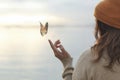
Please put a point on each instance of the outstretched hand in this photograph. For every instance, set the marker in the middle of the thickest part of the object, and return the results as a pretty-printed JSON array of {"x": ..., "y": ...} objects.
[{"x": 60, "y": 52}]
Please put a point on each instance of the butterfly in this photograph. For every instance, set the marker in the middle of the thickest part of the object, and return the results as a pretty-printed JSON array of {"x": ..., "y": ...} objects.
[{"x": 43, "y": 29}]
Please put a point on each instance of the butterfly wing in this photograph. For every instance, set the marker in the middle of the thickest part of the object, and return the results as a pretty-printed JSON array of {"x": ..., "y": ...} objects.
[
  {"x": 46, "y": 27},
  {"x": 41, "y": 29}
]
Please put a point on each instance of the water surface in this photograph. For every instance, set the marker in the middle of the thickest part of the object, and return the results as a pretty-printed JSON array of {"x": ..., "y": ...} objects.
[{"x": 26, "y": 55}]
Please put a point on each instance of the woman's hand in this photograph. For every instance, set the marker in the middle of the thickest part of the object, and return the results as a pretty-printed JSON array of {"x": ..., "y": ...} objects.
[{"x": 61, "y": 53}]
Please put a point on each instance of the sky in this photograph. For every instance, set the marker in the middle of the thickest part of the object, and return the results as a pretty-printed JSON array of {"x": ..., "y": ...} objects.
[{"x": 56, "y": 12}]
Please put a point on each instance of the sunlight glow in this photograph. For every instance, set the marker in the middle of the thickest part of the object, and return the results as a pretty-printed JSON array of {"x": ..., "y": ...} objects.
[
  {"x": 10, "y": 39},
  {"x": 26, "y": 13},
  {"x": 20, "y": 19},
  {"x": 15, "y": 19}
]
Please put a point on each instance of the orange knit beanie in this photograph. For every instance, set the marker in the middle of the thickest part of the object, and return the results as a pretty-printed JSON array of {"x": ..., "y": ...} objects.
[{"x": 108, "y": 11}]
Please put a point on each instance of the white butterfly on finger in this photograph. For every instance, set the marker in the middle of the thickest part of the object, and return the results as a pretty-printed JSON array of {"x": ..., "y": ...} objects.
[{"x": 43, "y": 29}]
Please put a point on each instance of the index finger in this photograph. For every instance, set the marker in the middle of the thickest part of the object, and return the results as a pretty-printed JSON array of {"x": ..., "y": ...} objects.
[{"x": 52, "y": 45}]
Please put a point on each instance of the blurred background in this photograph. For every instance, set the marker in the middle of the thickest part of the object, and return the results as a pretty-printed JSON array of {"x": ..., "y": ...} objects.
[{"x": 24, "y": 53}]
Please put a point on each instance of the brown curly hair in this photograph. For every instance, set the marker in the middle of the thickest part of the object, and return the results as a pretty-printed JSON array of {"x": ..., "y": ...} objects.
[{"x": 107, "y": 38}]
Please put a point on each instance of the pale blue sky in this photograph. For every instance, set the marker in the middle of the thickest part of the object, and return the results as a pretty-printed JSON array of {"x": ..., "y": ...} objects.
[{"x": 56, "y": 12}]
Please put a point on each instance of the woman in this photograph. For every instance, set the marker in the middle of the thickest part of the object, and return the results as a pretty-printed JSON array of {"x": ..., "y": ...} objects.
[{"x": 102, "y": 60}]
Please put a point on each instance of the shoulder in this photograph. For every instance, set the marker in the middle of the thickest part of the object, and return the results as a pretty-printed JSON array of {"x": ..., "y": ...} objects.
[
  {"x": 87, "y": 55},
  {"x": 83, "y": 64},
  {"x": 85, "y": 60}
]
